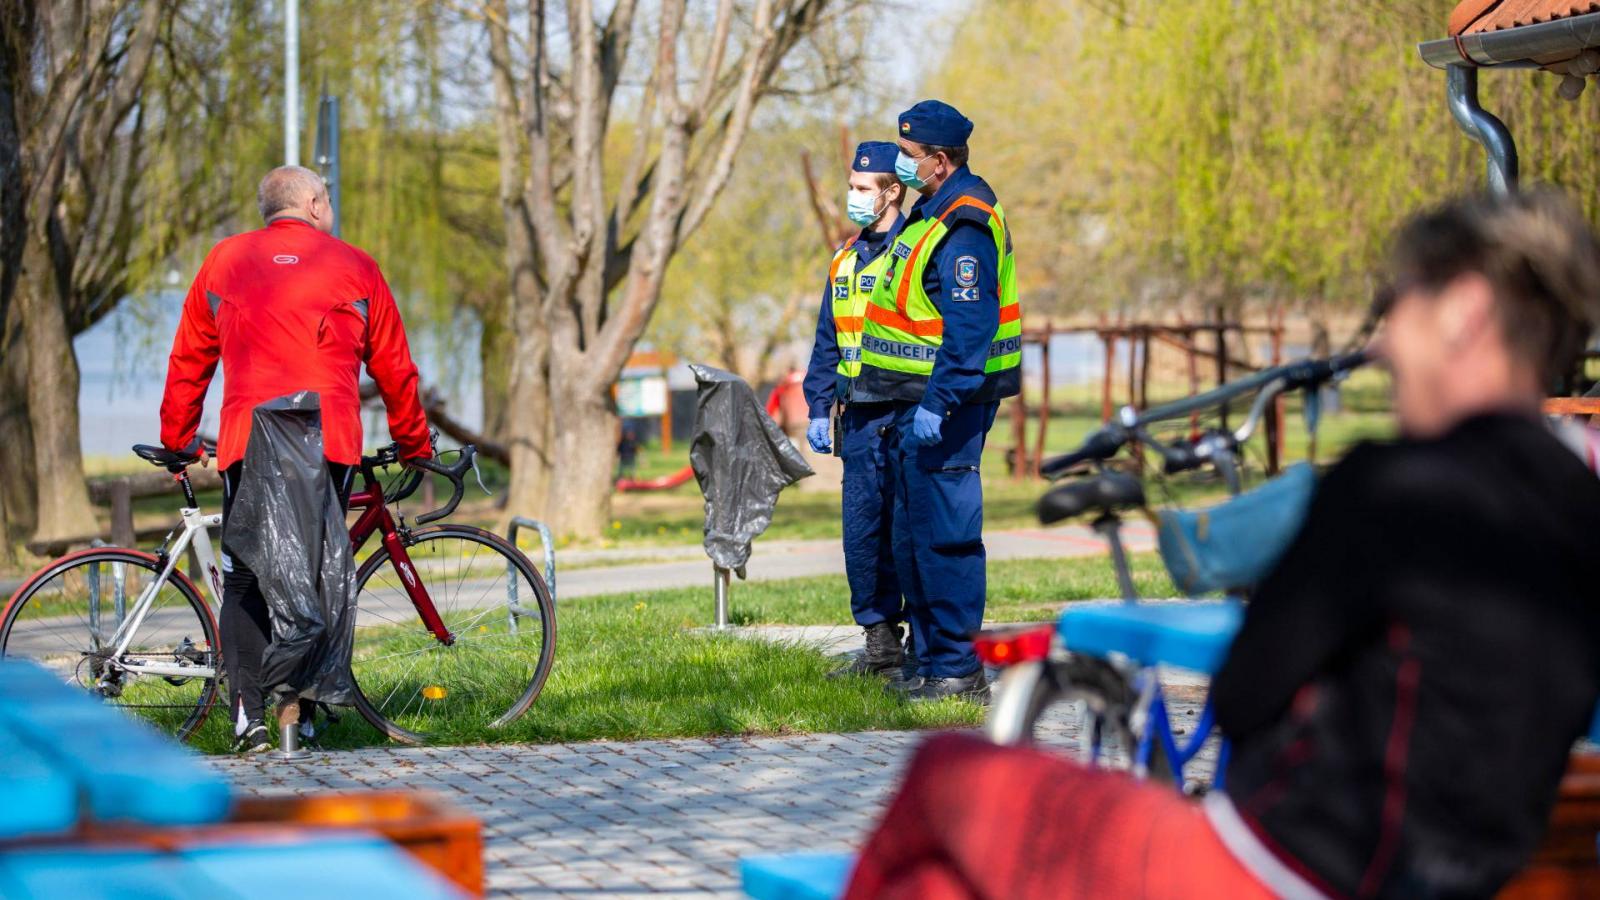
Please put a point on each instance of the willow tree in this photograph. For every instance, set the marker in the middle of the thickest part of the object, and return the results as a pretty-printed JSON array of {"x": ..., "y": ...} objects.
[
  {"x": 75, "y": 75},
  {"x": 600, "y": 185},
  {"x": 1228, "y": 151}
]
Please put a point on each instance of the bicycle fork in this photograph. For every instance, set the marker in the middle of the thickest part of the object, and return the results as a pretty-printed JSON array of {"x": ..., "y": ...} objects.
[{"x": 414, "y": 589}]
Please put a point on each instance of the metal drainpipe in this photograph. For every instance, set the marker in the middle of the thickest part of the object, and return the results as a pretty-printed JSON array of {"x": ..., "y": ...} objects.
[{"x": 1482, "y": 126}]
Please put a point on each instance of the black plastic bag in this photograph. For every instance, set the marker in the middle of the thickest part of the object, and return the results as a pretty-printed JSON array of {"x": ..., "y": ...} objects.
[
  {"x": 741, "y": 459},
  {"x": 287, "y": 525}
]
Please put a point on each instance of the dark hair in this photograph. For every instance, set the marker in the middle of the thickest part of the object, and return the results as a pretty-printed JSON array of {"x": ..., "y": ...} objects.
[
  {"x": 1539, "y": 255},
  {"x": 956, "y": 155}
]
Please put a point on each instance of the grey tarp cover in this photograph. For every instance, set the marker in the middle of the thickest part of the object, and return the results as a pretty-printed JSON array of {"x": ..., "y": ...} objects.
[
  {"x": 286, "y": 524},
  {"x": 742, "y": 459}
]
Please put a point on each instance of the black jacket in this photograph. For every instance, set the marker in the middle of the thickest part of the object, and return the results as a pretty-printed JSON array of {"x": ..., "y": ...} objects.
[{"x": 1408, "y": 683}]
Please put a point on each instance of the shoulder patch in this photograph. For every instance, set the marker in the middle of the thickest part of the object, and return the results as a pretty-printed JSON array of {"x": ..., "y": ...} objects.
[
  {"x": 967, "y": 271},
  {"x": 902, "y": 249}
]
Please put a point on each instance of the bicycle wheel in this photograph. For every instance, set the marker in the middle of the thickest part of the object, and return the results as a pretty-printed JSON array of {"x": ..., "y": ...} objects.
[
  {"x": 412, "y": 686},
  {"x": 66, "y": 618},
  {"x": 1027, "y": 691}
]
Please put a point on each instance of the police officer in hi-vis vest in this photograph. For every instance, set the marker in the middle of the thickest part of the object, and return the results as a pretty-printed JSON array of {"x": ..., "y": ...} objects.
[
  {"x": 864, "y": 419},
  {"x": 943, "y": 340}
]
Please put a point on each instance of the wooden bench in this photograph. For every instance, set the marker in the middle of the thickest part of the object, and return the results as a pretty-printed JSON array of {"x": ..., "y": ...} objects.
[{"x": 96, "y": 804}]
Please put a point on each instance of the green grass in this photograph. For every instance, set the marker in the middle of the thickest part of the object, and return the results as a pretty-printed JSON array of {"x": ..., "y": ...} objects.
[{"x": 634, "y": 666}]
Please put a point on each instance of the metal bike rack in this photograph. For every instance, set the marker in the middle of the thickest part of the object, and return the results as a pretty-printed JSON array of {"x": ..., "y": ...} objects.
[{"x": 517, "y": 524}]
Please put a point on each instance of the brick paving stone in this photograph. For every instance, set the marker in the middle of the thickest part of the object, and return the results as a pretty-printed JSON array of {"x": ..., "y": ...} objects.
[{"x": 637, "y": 819}]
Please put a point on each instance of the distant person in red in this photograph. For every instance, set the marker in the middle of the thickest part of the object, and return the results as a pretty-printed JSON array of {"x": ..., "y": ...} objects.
[
  {"x": 285, "y": 308},
  {"x": 1410, "y": 678}
]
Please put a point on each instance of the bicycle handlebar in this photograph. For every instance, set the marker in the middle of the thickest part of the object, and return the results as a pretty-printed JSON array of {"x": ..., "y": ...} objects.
[
  {"x": 418, "y": 469},
  {"x": 454, "y": 473},
  {"x": 1106, "y": 441}
]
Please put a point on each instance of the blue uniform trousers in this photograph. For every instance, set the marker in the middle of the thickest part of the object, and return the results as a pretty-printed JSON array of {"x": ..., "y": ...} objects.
[
  {"x": 868, "y": 510},
  {"x": 938, "y": 537}
]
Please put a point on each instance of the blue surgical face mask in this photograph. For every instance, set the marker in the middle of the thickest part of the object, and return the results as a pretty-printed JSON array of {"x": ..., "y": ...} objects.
[
  {"x": 905, "y": 169},
  {"x": 862, "y": 207}
]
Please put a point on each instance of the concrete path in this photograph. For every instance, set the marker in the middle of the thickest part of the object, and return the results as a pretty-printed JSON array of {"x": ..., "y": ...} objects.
[{"x": 774, "y": 560}]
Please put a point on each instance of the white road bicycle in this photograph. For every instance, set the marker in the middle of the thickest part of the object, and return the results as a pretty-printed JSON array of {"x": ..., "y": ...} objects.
[{"x": 455, "y": 627}]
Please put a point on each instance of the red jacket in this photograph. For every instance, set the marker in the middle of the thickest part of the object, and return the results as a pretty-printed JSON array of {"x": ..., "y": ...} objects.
[{"x": 289, "y": 308}]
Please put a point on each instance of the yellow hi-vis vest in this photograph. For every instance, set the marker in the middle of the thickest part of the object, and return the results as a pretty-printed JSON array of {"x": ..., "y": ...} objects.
[
  {"x": 904, "y": 328},
  {"x": 850, "y": 290}
]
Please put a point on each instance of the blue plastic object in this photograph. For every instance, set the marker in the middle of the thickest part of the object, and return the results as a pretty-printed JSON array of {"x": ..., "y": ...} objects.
[
  {"x": 1234, "y": 544},
  {"x": 327, "y": 867},
  {"x": 40, "y": 798},
  {"x": 1190, "y": 635},
  {"x": 120, "y": 767},
  {"x": 796, "y": 876},
  {"x": 42, "y": 874}
]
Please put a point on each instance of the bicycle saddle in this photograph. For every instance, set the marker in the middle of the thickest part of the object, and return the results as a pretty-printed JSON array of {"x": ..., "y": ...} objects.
[
  {"x": 161, "y": 456},
  {"x": 1105, "y": 492}
]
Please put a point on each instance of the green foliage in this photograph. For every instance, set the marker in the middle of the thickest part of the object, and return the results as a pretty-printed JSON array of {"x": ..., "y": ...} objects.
[{"x": 1227, "y": 150}]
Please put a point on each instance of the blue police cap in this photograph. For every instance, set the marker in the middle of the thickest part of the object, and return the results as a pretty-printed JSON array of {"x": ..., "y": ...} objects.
[
  {"x": 874, "y": 156},
  {"x": 937, "y": 123}
]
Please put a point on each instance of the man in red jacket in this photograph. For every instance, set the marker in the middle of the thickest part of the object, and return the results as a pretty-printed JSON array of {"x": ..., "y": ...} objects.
[{"x": 285, "y": 308}]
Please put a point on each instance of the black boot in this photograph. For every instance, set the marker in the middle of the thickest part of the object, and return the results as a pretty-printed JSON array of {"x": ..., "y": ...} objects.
[
  {"x": 974, "y": 687},
  {"x": 882, "y": 656}
]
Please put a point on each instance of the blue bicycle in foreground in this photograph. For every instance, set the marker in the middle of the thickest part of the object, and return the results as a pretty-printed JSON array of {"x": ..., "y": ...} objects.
[{"x": 1108, "y": 657}]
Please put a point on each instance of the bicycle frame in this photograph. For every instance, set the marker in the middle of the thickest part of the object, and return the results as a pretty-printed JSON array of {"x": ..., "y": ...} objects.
[
  {"x": 195, "y": 532},
  {"x": 375, "y": 518}
]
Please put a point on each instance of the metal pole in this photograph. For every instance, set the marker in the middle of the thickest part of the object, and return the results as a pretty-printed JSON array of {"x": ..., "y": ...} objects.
[
  {"x": 291, "y": 83},
  {"x": 289, "y": 732},
  {"x": 721, "y": 578},
  {"x": 327, "y": 151},
  {"x": 1461, "y": 86}
]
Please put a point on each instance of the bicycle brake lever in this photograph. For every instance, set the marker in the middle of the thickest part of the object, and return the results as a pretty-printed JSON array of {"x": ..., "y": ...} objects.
[{"x": 479, "y": 475}]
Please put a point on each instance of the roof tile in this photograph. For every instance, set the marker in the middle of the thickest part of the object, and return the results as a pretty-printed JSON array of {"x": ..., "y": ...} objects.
[{"x": 1476, "y": 16}]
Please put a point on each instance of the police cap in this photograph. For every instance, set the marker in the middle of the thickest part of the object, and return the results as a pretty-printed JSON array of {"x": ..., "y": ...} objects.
[
  {"x": 935, "y": 123},
  {"x": 874, "y": 156}
]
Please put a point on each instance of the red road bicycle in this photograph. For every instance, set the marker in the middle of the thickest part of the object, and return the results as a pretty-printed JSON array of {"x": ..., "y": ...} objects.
[{"x": 455, "y": 629}]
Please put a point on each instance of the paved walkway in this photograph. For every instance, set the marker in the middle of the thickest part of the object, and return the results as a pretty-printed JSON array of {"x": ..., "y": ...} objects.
[
  {"x": 632, "y": 819},
  {"x": 646, "y": 818}
]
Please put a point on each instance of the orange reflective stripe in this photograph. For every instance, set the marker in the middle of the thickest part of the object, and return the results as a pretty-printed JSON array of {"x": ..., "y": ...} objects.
[
  {"x": 901, "y": 295},
  {"x": 929, "y": 328},
  {"x": 833, "y": 267},
  {"x": 1010, "y": 313},
  {"x": 849, "y": 323}
]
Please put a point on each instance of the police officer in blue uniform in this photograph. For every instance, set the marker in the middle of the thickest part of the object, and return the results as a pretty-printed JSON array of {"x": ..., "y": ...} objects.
[
  {"x": 955, "y": 234},
  {"x": 863, "y": 420}
]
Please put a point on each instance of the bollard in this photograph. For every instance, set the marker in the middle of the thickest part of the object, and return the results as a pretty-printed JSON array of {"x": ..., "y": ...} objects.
[
  {"x": 721, "y": 578},
  {"x": 289, "y": 749}
]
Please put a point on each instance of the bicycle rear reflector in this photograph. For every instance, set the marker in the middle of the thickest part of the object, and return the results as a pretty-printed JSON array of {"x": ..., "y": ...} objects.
[{"x": 1007, "y": 648}]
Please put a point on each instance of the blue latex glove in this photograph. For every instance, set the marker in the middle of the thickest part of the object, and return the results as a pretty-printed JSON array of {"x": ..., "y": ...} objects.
[
  {"x": 817, "y": 436},
  {"x": 925, "y": 428}
]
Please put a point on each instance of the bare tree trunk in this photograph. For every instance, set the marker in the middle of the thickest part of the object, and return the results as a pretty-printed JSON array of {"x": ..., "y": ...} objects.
[
  {"x": 63, "y": 498},
  {"x": 527, "y": 402},
  {"x": 496, "y": 349},
  {"x": 17, "y": 492},
  {"x": 585, "y": 426}
]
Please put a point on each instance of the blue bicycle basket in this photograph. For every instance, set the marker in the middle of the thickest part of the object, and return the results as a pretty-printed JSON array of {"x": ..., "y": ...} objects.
[{"x": 1233, "y": 545}]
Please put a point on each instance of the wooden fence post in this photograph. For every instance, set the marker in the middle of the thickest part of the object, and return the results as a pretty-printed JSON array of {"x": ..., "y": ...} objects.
[{"x": 122, "y": 534}]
